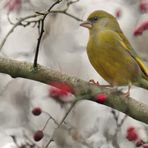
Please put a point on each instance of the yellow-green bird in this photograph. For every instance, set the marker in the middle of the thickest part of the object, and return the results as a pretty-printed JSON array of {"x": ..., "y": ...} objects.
[{"x": 111, "y": 54}]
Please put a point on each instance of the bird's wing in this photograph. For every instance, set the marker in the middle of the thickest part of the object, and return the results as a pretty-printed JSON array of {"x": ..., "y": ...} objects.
[{"x": 125, "y": 43}]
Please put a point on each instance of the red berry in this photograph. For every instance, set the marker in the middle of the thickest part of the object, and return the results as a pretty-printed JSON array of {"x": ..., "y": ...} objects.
[
  {"x": 54, "y": 92},
  {"x": 57, "y": 93},
  {"x": 140, "y": 28},
  {"x": 130, "y": 129},
  {"x": 139, "y": 143},
  {"x": 143, "y": 6},
  {"x": 36, "y": 111},
  {"x": 12, "y": 5},
  {"x": 145, "y": 146},
  {"x": 101, "y": 97},
  {"x": 62, "y": 86},
  {"x": 61, "y": 89},
  {"x": 38, "y": 135},
  {"x": 131, "y": 134},
  {"x": 118, "y": 13}
]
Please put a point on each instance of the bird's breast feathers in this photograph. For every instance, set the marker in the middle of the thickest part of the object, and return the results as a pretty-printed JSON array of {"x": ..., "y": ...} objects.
[{"x": 111, "y": 59}]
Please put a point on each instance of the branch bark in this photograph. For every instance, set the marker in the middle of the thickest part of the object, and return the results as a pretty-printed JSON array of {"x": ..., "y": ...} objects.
[{"x": 82, "y": 89}]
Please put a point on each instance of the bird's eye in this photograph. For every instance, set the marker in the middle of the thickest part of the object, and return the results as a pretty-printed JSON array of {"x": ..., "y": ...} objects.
[{"x": 95, "y": 18}]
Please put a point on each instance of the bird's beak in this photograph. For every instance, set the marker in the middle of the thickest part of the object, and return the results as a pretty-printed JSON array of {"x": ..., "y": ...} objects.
[{"x": 86, "y": 24}]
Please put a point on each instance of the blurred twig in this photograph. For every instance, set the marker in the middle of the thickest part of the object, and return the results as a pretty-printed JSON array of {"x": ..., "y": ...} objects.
[
  {"x": 29, "y": 143},
  {"x": 65, "y": 11},
  {"x": 50, "y": 117},
  {"x": 15, "y": 25},
  {"x": 68, "y": 14},
  {"x": 62, "y": 121},
  {"x": 115, "y": 115},
  {"x": 119, "y": 125}
]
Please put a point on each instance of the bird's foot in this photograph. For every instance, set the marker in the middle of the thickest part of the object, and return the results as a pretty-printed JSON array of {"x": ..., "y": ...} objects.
[
  {"x": 93, "y": 82},
  {"x": 127, "y": 94},
  {"x": 98, "y": 84}
]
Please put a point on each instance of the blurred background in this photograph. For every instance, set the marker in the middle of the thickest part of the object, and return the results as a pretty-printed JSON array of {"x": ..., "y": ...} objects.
[{"x": 88, "y": 125}]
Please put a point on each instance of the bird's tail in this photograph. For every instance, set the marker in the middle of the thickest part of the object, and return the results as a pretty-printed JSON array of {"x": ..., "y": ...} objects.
[{"x": 143, "y": 83}]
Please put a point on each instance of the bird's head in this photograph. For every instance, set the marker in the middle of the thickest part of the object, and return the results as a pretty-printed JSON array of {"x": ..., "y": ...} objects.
[{"x": 98, "y": 19}]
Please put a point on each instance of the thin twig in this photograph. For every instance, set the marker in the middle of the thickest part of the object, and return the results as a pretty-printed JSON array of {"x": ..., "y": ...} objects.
[
  {"x": 114, "y": 141},
  {"x": 115, "y": 116},
  {"x": 42, "y": 32},
  {"x": 69, "y": 3},
  {"x": 9, "y": 20},
  {"x": 46, "y": 123},
  {"x": 62, "y": 121},
  {"x": 52, "y": 118},
  {"x": 12, "y": 29},
  {"x": 119, "y": 124},
  {"x": 37, "y": 14},
  {"x": 68, "y": 14},
  {"x": 122, "y": 121},
  {"x": 38, "y": 42},
  {"x": 24, "y": 23}
]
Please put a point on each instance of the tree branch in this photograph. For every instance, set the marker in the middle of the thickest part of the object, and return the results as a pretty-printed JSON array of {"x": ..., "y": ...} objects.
[
  {"x": 82, "y": 89},
  {"x": 38, "y": 17}
]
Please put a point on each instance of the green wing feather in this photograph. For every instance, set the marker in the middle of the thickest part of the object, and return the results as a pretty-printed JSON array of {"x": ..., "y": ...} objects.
[{"x": 125, "y": 43}]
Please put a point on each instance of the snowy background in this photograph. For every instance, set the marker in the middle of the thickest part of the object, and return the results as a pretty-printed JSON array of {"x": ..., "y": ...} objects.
[{"x": 89, "y": 125}]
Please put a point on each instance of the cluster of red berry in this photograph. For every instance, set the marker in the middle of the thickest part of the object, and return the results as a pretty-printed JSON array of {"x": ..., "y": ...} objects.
[
  {"x": 38, "y": 135},
  {"x": 60, "y": 89},
  {"x": 13, "y": 5},
  {"x": 132, "y": 136}
]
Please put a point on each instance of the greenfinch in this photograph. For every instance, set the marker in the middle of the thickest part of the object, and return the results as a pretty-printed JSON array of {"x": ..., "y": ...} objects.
[{"x": 110, "y": 52}]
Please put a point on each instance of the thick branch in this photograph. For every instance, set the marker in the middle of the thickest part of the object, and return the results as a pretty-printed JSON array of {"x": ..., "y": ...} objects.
[{"x": 82, "y": 89}]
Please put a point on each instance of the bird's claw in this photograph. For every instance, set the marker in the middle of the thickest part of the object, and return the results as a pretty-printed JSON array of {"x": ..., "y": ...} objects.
[{"x": 93, "y": 82}]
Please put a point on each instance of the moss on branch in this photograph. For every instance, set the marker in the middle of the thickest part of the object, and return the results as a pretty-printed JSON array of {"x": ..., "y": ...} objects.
[{"x": 82, "y": 89}]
